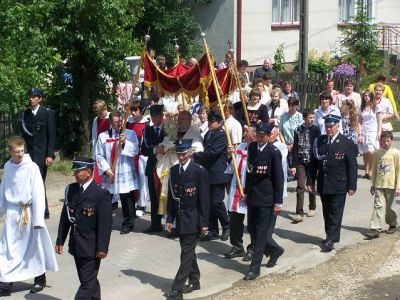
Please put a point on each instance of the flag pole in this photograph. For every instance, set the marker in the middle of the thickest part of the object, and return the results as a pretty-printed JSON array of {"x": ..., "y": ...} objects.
[
  {"x": 217, "y": 91},
  {"x": 236, "y": 75},
  {"x": 177, "y": 62},
  {"x": 126, "y": 116}
]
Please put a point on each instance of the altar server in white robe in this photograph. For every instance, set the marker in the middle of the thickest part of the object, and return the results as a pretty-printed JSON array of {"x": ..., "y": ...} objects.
[
  {"x": 123, "y": 180},
  {"x": 238, "y": 208},
  {"x": 26, "y": 250}
]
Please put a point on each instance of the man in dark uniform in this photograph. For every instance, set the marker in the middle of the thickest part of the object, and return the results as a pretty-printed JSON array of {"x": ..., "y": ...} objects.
[
  {"x": 39, "y": 132},
  {"x": 214, "y": 160},
  {"x": 87, "y": 214},
  {"x": 189, "y": 206},
  {"x": 152, "y": 137},
  {"x": 334, "y": 165},
  {"x": 264, "y": 192}
]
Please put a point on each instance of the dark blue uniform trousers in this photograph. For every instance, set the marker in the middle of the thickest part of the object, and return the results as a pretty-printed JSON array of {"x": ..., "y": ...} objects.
[
  {"x": 217, "y": 208},
  {"x": 88, "y": 268},
  {"x": 332, "y": 208},
  {"x": 188, "y": 268},
  {"x": 262, "y": 222}
]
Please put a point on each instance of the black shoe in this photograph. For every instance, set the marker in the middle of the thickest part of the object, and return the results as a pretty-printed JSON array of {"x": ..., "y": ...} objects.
[
  {"x": 209, "y": 237},
  {"x": 251, "y": 275},
  {"x": 37, "y": 287},
  {"x": 328, "y": 246},
  {"x": 234, "y": 253},
  {"x": 152, "y": 229},
  {"x": 126, "y": 229},
  {"x": 174, "y": 295},
  {"x": 274, "y": 258},
  {"x": 225, "y": 234},
  {"x": 192, "y": 286},
  {"x": 47, "y": 216},
  {"x": 248, "y": 256},
  {"x": 115, "y": 206},
  {"x": 4, "y": 293}
]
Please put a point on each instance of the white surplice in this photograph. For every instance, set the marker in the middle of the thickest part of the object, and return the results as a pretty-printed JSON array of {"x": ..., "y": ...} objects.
[
  {"x": 125, "y": 179},
  {"x": 25, "y": 252},
  {"x": 234, "y": 203}
]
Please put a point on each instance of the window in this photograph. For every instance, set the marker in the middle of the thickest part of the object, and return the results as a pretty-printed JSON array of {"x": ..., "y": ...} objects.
[
  {"x": 348, "y": 9},
  {"x": 285, "y": 12}
]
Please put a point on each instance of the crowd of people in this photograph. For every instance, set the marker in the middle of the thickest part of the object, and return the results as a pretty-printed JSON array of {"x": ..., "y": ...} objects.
[{"x": 177, "y": 164}]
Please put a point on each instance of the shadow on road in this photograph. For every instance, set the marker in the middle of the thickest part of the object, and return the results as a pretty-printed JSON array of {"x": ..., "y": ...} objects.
[
  {"x": 222, "y": 262},
  {"x": 161, "y": 283},
  {"x": 297, "y": 237},
  {"x": 140, "y": 223}
]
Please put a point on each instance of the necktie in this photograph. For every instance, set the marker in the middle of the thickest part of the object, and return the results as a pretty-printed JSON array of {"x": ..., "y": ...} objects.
[
  {"x": 158, "y": 132},
  {"x": 81, "y": 189},
  {"x": 181, "y": 170},
  {"x": 329, "y": 143}
]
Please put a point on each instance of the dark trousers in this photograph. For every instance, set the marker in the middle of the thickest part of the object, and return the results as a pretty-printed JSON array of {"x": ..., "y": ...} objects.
[
  {"x": 43, "y": 172},
  {"x": 236, "y": 225},
  {"x": 7, "y": 286},
  {"x": 217, "y": 208},
  {"x": 128, "y": 208},
  {"x": 332, "y": 208},
  {"x": 188, "y": 268},
  {"x": 155, "y": 217},
  {"x": 88, "y": 268},
  {"x": 302, "y": 173},
  {"x": 262, "y": 221},
  {"x": 228, "y": 182}
]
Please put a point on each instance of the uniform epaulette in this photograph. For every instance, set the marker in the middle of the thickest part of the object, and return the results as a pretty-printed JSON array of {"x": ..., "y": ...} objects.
[{"x": 200, "y": 166}]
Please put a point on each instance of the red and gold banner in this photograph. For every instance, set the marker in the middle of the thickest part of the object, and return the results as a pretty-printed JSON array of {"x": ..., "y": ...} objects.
[{"x": 191, "y": 80}]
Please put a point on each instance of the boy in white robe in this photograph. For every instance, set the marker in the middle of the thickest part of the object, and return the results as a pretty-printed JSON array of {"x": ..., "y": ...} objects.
[
  {"x": 238, "y": 208},
  {"x": 26, "y": 250}
]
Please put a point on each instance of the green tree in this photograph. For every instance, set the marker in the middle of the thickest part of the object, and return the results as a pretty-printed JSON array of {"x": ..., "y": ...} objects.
[
  {"x": 279, "y": 59},
  {"x": 360, "y": 40},
  {"x": 168, "y": 19}
]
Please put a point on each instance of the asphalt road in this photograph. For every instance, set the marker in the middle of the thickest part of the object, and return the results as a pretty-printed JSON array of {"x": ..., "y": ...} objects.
[{"x": 141, "y": 266}]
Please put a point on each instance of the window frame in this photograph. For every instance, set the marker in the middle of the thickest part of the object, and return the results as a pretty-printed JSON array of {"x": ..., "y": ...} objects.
[
  {"x": 290, "y": 24},
  {"x": 343, "y": 21}
]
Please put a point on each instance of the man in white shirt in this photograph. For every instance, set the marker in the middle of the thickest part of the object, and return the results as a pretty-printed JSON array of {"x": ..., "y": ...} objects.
[{"x": 122, "y": 181}]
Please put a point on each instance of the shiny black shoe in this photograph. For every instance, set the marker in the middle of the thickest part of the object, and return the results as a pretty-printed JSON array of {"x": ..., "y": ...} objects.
[
  {"x": 274, "y": 258},
  {"x": 192, "y": 286},
  {"x": 5, "y": 293},
  {"x": 249, "y": 256},
  {"x": 328, "y": 246},
  {"x": 225, "y": 234},
  {"x": 251, "y": 275},
  {"x": 126, "y": 230},
  {"x": 174, "y": 295},
  {"x": 209, "y": 237},
  {"x": 37, "y": 287},
  {"x": 234, "y": 253}
]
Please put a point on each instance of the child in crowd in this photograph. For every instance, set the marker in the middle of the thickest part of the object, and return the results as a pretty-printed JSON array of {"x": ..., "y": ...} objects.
[
  {"x": 304, "y": 137},
  {"x": 385, "y": 186}
]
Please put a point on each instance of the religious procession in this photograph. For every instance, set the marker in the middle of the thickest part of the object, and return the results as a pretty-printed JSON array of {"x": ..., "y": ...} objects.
[{"x": 205, "y": 154}]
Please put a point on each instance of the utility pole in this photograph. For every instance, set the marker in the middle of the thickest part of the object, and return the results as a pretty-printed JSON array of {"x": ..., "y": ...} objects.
[{"x": 303, "y": 50}]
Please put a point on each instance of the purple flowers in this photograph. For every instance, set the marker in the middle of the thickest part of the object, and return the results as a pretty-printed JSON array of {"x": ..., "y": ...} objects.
[{"x": 344, "y": 69}]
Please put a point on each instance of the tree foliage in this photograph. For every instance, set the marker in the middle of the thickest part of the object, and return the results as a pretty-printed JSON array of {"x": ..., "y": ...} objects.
[
  {"x": 68, "y": 48},
  {"x": 168, "y": 19},
  {"x": 360, "y": 40}
]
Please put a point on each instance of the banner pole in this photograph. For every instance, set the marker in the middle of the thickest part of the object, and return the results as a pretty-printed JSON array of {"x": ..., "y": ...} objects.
[
  {"x": 126, "y": 116},
  {"x": 217, "y": 91}
]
